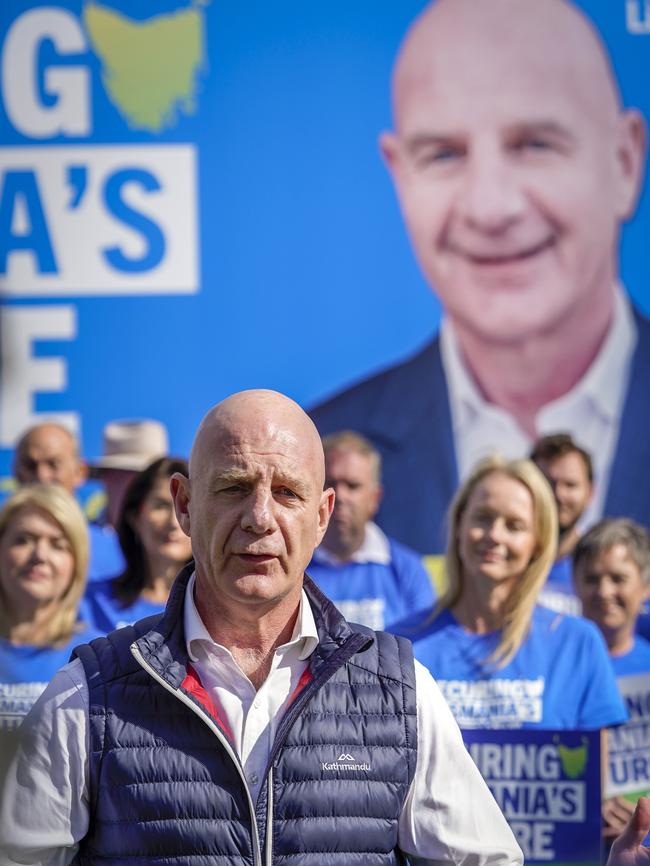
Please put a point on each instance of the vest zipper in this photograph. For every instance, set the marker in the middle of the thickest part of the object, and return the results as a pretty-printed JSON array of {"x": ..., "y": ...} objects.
[
  {"x": 269, "y": 818},
  {"x": 137, "y": 655},
  {"x": 352, "y": 645}
]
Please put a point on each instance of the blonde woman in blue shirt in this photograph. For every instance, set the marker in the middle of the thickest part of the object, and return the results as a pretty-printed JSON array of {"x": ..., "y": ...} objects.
[{"x": 500, "y": 659}]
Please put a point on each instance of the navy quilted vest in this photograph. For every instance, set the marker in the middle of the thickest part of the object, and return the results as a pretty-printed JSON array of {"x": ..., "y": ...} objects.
[{"x": 167, "y": 787}]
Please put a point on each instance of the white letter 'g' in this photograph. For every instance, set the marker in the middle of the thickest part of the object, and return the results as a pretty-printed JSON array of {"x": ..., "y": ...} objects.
[{"x": 70, "y": 113}]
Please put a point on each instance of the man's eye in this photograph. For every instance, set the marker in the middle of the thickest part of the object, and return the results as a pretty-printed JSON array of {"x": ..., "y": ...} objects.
[
  {"x": 286, "y": 491},
  {"x": 533, "y": 144},
  {"x": 439, "y": 155}
]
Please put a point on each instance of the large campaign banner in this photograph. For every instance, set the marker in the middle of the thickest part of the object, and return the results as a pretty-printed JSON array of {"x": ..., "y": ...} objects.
[
  {"x": 193, "y": 200},
  {"x": 547, "y": 784},
  {"x": 628, "y": 747}
]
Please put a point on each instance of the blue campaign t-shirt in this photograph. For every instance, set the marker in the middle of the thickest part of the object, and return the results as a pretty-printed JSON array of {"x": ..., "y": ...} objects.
[
  {"x": 105, "y": 555},
  {"x": 558, "y": 593},
  {"x": 561, "y": 677},
  {"x": 374, "y": 594},
  {"x": 25, "y": 671},
  {"x": 643, "y": 623},
  {"x": 106, "y": 612},
  {"x": 636, "y": 661}
]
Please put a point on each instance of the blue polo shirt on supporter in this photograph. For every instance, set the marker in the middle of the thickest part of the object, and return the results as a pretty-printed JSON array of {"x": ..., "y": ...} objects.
[
  {"x": 561, "y": 677},
  {"x": 384, "y": 581}
]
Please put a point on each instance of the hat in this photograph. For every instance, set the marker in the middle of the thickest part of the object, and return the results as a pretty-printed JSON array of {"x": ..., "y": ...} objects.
[{"x": 132, "y": 444}]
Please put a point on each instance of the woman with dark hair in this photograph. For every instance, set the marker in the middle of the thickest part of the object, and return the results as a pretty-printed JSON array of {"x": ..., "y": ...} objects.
[{"x": 155, "y": 548}]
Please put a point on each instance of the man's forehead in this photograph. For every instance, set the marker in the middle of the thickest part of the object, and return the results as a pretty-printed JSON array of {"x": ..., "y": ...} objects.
[
  {"x": 458, "y": 53},
  {"x": 246, "y": 450},
  {"x": 258, "y": 424},
  {"x": 52, "y": 441},
  {"x": 349, "y": 456},
  {"x": 256, "y": 465},
  {"x": 569, "y": 461}
]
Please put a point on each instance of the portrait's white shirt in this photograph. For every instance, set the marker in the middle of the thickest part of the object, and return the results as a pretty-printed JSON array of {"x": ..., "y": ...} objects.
[
  {"x": 375, "y": 548},
  {"x": 449, "y": 815},
  {"x": 591, "y": 411}
]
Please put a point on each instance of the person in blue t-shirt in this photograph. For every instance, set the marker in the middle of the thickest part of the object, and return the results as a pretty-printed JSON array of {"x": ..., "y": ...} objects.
[
  {"x": 612, "y": 579},
  {"x": 43, "y": 561},
  {"x": 569, "y": 470},
  {"x": 372, "y": 579},
  {"x": 155, "y": 548},
  {"x": 500, "y": 660}
]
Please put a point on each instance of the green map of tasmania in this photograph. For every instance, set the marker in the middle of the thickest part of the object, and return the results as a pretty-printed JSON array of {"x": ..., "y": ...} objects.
[{"x": 150, "y": 69}]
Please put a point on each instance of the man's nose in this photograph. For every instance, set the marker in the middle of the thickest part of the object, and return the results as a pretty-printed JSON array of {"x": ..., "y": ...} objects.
[
  {"x": 491, "y": 197},
  {"x": 341, "y": 491},
  {"x": 43, "y": 474},
  {"x": 257, "y": 516}
]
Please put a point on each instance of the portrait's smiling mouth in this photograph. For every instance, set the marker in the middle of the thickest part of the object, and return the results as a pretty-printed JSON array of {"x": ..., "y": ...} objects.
[{"x": 502, "y": 257}]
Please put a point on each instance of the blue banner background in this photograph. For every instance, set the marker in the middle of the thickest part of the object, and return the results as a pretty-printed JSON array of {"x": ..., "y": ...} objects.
[{"x": 306, "y": 276}]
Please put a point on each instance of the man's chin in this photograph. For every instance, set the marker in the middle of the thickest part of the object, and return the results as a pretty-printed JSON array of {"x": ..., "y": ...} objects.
[{"x": 256, "y": 588}]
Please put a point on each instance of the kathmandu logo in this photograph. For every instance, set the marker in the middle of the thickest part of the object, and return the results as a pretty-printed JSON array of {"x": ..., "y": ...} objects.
[{"x": 346, "y": 762}]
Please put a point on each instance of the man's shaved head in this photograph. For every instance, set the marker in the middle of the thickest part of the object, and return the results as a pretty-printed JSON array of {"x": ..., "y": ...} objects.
[
  {"x": 49, "y": 453},
  {"x": 551, "y": 34},
  {"x": 242, "y": 414},
  {"x": 254, "y": 504}
]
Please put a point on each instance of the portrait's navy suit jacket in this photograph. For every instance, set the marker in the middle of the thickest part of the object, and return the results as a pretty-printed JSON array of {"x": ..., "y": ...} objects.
[{"x": 405, "y": 412}]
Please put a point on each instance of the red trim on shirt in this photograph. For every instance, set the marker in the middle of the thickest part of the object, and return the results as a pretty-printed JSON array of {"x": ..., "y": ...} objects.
[
  {"x": 193, "y": 685},
  {"x": 305, "y": 678}
]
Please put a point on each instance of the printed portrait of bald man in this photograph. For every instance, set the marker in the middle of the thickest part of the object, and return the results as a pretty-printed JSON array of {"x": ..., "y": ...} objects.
[{"x": 515, "y": 164}]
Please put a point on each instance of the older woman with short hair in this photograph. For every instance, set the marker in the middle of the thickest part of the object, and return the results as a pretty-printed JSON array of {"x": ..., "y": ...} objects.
[{"x": 500, "y": 659}]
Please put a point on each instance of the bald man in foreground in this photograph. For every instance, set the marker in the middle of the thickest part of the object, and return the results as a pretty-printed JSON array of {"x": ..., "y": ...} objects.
[
  {"x": 251, "y": 723},
  {"x": 515, "y": 164}
]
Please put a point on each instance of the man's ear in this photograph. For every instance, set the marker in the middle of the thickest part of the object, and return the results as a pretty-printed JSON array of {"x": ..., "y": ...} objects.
[
  {"x": 81, "y": 473},
  {"x": 179, "y": 486},
  {"x": 631, "y": 158},
  {"x": 389, "y": 146},
  {"x": 378, "y": 496},
  {"x": 325, "y": 509}
]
